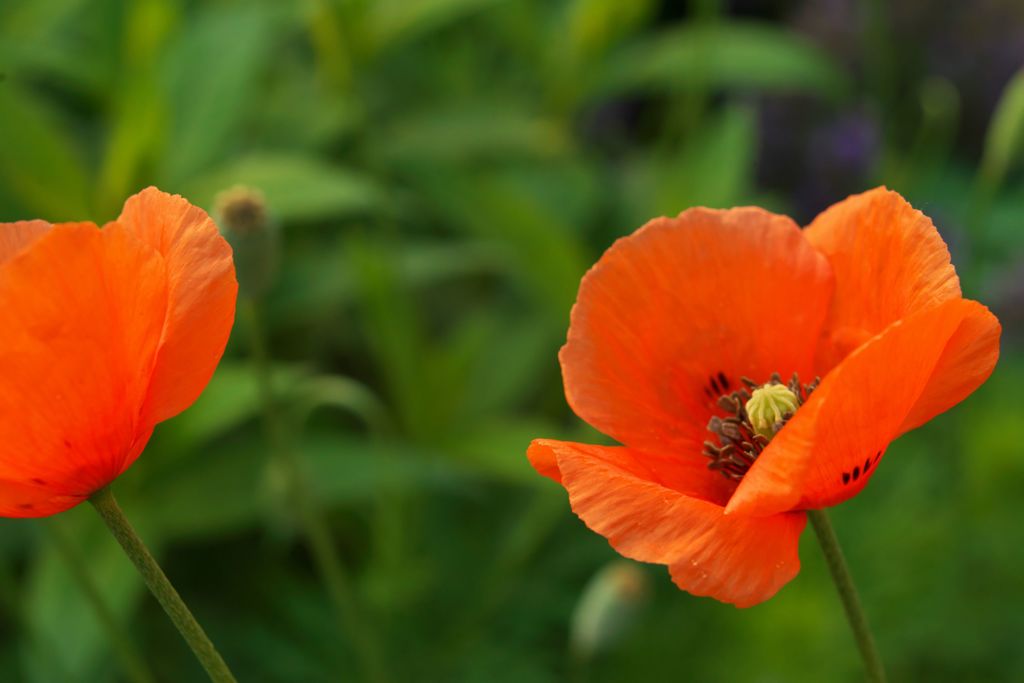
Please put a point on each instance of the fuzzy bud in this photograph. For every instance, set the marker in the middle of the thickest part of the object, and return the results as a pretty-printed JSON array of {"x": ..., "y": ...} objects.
[
  {"x": 607, "y": 608},
  {"x": 242, "y": 214}
]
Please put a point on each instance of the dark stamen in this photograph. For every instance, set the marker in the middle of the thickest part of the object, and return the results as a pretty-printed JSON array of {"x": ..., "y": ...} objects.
[{"x": 738, "y": 444}]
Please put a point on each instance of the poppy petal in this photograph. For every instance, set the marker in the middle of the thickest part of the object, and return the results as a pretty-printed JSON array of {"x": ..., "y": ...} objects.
[
  {"x": 82, "y": 311},
  {"x": 738, "y": 560},
  {"x": 832, "y": 446},
  {"x": 877, "y": 242},
  {"x": 16, "y": 236},
  {"x": 688, "y": 476},
  {"x": 672, "y": 316},
  {"x": 202, "y": 292},
  {"x": 969, "y": 358},
  {"x": 26, "y": 500}
]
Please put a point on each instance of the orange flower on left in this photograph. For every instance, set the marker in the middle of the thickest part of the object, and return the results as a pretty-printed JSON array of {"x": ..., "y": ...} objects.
[{"x": 105, "y": 333}]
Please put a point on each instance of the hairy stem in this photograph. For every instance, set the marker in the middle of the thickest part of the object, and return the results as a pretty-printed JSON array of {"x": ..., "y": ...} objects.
[
  {"x": 873, "y": 668},
  {"x": 159, "y": 585}
]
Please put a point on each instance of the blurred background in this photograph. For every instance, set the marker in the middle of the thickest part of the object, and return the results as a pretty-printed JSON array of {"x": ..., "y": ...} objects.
[{"x": 441, "y": 173}]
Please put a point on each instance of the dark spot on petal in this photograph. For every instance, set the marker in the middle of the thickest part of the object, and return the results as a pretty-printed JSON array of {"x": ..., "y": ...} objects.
[
  {"x": 878, "y": 455},
  {"x": 723, "y": 380},
  {"x": 25, "y": 506},
  {"x": 39, "y": 482},
  {"x": 846, "y": 477},
  {"x": 856, "y": 473},
  {"x": 709, "y": 393},
  {"x": 714, "y": 385},
  {"x": 867, "y": 464}
]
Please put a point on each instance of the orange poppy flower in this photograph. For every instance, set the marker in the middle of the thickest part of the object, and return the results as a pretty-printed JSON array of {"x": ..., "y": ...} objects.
[
  {"x": 681, "y": 325},
  {"x": 105, "y": 334}
]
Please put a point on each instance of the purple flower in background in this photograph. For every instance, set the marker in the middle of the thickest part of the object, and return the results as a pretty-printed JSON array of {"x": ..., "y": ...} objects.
[
  {"x": 839, "y": 159},
  {"x": 812, "y": 155}
]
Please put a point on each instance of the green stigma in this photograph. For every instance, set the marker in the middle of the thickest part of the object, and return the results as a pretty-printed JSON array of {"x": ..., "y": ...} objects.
[{"x": 768, "y": 406}]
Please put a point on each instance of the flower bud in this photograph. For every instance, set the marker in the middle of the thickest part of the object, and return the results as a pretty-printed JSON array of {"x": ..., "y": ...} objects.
[
  {"x": 607, "y": 608},
  {"x": 242, "y": 214}
]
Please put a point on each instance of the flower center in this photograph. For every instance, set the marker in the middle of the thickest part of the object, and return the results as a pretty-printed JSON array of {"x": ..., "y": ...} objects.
[
  {"x": 768, "y": 408},
  {"x": 756, "y": 413}
]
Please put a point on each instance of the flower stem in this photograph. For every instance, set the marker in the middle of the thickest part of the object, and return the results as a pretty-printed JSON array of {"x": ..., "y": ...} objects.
[
  {"x": 307, "y": 509},
  {"x": 873, "y": 668},
  {"x": 161, "y": 588},
  {"x": 132, "y": 663}
]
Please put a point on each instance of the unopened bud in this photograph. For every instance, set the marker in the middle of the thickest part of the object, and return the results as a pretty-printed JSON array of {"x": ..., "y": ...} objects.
[
  {"x": 607, "y": 608},
  {"x": 242, "y": 214}
]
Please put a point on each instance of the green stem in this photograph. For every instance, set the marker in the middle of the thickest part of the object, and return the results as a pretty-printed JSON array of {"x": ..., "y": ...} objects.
[
  {"x": 873, "y": 668},
  {"x": 131, "y": 661},
  {"x": 308, "y": 512},
  {"x": 161, "y": 588}
]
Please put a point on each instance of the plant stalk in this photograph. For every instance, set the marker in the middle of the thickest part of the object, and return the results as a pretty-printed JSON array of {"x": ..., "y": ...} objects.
[
  {"x": 159, "y": 585},
  {"x": 873, "y": 668}
]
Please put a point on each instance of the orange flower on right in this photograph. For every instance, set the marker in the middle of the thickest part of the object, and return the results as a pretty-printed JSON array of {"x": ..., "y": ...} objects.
[{"x": 751, "y": 371}]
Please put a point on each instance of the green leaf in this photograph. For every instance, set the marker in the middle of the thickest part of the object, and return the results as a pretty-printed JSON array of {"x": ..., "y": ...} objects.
[
  {"x": 39, "y": 19},
  {"x": 65, "y": 62},
  {"x": 514, "y": 358},
  {"x": 389, "y": 23},
  {"x": 715, "y": 169},
  {"x": 732, "y": 55},
  {"x": 221, "y": 492},
  {"x": 545, "y": 251},
  {"x": 40, "y": 163},
  {"x": 66, "y": 640},
  {"x": 213, "y": 84},
  {"x": 289, "y": 635},
  {"x": 342, "y": 393},
  {"x": 349, "y": 470},
  {"x": 592, "y": 26},
  {"x": 232, "y": 488},
  {"x": 313, "y": 288},
  {"x": 394, "y": 335},
  {"x": 325, "y": 119},
  {"x": 230, "y": 400},
  {"x": 462, "y": 133},
  {"x": 497, "y": 448},
  {"x": 297, "y": 188},
  {"x": 1004, "y": 141},
  {"x": 137, "y": 103}
]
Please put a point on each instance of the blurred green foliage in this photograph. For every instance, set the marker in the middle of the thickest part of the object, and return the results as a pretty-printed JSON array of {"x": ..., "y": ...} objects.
[{"x": 444, "y": 171}]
